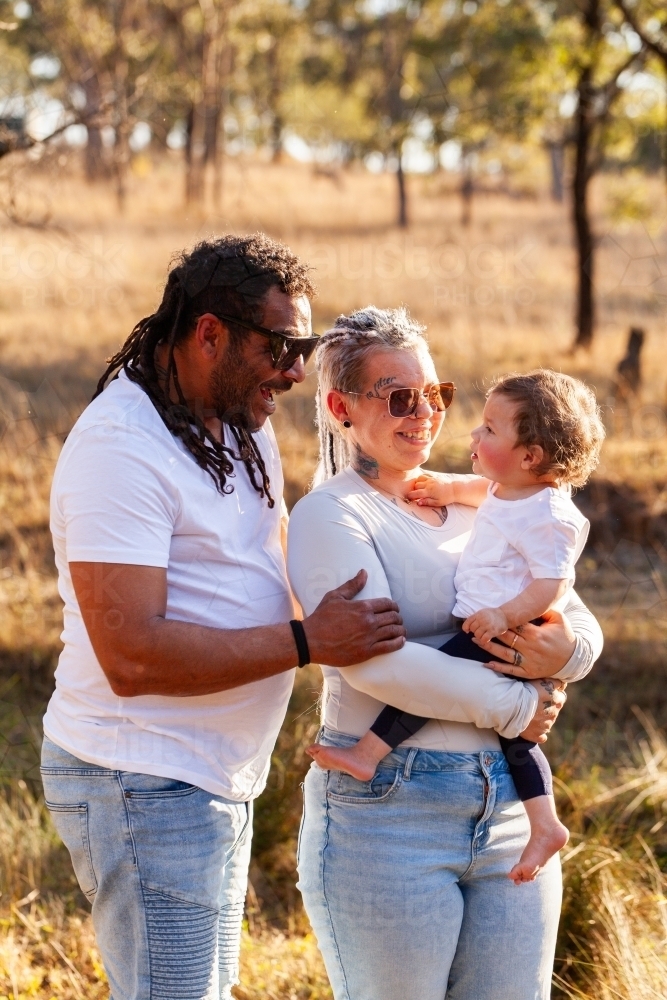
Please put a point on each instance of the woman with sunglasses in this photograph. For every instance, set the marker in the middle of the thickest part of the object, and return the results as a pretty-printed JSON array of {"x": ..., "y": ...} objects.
[{"x": 404, "y": 878}]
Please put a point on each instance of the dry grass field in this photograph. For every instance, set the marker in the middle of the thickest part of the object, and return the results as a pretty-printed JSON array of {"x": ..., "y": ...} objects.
[{"x": 496, "y": 296}]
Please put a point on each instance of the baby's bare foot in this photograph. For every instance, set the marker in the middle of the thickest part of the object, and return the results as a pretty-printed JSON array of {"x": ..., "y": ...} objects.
[
  {"x": 342, "y": 759},
  {"x": 545, "y": 841}
]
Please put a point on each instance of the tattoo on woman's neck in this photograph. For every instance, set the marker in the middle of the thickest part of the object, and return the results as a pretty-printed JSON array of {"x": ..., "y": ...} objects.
[{"x": 365, "y": 465}]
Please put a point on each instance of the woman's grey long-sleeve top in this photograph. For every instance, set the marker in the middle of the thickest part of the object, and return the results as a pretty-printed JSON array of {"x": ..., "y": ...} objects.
[{"x": 345, "y": 525}]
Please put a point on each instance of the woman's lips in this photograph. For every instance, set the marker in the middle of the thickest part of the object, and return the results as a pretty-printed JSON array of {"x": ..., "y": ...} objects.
[{"x": 420, "y": 437}]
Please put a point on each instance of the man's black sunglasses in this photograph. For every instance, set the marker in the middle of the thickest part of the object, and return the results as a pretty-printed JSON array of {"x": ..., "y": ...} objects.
[{"x": 285, "y": 350}]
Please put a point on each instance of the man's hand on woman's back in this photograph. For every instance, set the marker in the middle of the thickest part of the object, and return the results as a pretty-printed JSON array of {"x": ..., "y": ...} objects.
[
  {"x": 142, "y": 651},
  {"x": 342, "y": 631}
]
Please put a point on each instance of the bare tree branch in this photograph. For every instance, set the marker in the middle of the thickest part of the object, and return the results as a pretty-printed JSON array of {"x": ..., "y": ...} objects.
[{"x": 656, "y": 46}]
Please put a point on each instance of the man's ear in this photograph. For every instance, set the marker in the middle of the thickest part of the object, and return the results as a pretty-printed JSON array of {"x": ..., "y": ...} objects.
[
  {"x": 338, "y": 406},
  {"x": 211, "y": 336},
  {"x": 533, "y": 456}
]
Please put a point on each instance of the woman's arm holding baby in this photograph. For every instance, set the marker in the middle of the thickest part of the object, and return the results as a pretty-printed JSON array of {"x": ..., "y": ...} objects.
[
  {"x": 564, "y": 647},
  {"x": 326, "y": 540}
]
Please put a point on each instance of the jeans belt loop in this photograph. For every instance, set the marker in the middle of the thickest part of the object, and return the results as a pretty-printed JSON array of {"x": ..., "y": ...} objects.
[{"x": 407, "y": 770}]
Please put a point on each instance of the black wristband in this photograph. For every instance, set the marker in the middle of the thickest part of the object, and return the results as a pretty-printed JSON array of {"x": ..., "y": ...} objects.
[{"x": 301, "y": 642}]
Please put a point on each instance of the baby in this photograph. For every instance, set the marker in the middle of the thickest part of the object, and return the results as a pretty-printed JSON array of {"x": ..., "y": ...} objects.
[{"x": 540, "y": 435}]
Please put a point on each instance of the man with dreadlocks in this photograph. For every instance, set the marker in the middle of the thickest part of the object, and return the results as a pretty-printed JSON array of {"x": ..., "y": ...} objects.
[{"x": 178, "y": 645}]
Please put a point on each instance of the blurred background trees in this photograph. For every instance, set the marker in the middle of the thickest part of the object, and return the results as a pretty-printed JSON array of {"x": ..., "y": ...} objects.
[
  {"x": 471, "y": 87},
  {"x": 500, "y": 166}
]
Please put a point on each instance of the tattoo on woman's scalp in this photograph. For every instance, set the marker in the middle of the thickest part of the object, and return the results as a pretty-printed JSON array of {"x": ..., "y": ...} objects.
[{"x": 365, "y": 465}]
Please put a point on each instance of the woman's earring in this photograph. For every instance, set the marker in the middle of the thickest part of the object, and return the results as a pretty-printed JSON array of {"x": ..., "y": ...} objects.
[{"x": 346, "y": 423}]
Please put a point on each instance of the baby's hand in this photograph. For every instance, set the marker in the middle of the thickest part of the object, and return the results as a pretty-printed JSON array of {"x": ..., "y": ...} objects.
[
  {"x": 427, "y": 491},
  {"x": 486, "y": 624}
]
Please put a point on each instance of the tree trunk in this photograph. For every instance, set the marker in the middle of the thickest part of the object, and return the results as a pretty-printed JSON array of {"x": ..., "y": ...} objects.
[
  {"x": 467, "y": 189},
  {"x": 194, "y": 184},
  {"x": 94, "y": 155},
  {"x": 94, "y": 158},
  {"x": 402, "y": 192},
  {"x": 275, "y": 93},
  {"x": 121, "y": 160},
  {"x": 121, "y": 149},
  {"x": 556, "y": 160},
  {"x": 585, "y": 316},
  {"x": 217, "y": 153},
  {"x": 207, "y": 110},
  {"x": 225, "y": 70},
  {"x": 276, "y": 138}
]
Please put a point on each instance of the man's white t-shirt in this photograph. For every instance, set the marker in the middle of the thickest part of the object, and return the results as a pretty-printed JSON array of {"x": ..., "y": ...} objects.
[
  {"x": 127, "y": 491},
  {"x": 514, "y": 542}
]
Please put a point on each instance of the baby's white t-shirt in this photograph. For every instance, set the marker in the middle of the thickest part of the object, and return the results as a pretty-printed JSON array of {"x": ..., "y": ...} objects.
[
  {"x": 126, "y": 490},
  {"x": 514, "y": 542}
]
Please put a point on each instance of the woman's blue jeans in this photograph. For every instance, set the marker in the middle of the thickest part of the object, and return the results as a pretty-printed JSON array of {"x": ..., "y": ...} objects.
[
  {"x": 404, "y": 880},
  {"x": 165, "y": 866}
]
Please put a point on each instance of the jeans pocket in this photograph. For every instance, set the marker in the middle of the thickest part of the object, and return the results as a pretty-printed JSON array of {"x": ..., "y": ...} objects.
[
  {"x": 150, "y": 786},
  {"x": 71, "y": 822},
  {"x": 343, "y": 787}
]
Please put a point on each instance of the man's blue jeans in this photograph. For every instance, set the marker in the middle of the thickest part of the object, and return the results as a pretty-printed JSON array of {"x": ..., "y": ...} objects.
[{"x": 165, "y": 866}]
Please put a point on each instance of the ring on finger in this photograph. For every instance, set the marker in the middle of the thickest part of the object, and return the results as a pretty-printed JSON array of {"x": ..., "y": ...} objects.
[
  {"x": 513, "y": 641},
  {"x": 517, "y": 658}
]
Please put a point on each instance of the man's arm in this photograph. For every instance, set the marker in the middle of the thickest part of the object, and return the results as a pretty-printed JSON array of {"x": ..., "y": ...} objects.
[{"x": 143, "y": 652}]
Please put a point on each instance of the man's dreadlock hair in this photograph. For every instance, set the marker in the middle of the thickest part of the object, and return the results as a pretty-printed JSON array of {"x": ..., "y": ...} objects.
[{"x": 232, "y": 275}]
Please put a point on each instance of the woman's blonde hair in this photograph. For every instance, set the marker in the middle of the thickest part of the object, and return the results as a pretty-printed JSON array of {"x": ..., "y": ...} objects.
[
  {"x": 341, "y": 364},
  {"x": 561, "y": 415}
]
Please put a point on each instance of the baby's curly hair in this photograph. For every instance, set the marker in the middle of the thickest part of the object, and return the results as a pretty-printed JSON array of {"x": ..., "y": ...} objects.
[{"x": 560, "y": 414}]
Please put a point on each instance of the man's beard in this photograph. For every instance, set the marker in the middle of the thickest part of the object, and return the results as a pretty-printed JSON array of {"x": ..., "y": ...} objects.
[{"x": 233, "y": 386}]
